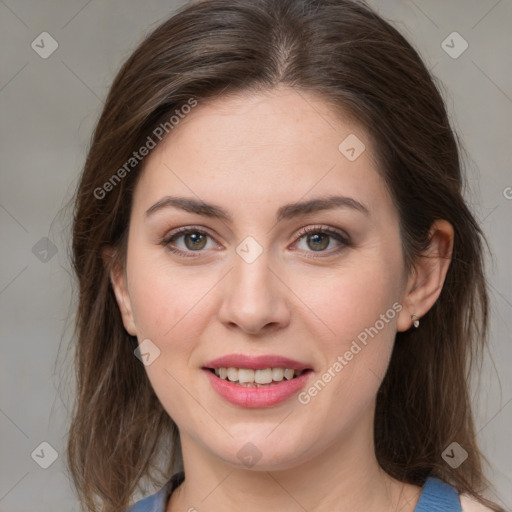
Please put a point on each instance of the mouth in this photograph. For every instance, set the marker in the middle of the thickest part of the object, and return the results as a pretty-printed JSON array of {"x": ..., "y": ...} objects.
[
  {"x": 256, "y": 381},
  {"x": 263, "y": 377}
]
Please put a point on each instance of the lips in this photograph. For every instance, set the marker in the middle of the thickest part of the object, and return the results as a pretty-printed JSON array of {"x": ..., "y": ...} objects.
[
  {"x": 238, "y": 379},
  {"x": 255, "y": 362}
]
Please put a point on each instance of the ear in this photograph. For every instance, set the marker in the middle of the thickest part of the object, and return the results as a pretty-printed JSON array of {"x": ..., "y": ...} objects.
[
  {"x": 119, "y": 285},
  {"x": 426, "y": 280}
]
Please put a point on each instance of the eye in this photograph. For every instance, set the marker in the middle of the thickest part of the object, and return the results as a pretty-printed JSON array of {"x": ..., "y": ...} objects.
[
  {"x": 185, "y": 241},
  {"x": 191, "y": 241},
  {"x": 321, "y": 239}
]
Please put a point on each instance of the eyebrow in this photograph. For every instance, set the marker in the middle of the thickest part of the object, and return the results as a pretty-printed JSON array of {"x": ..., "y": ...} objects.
[{"x": 285, "y": 212}]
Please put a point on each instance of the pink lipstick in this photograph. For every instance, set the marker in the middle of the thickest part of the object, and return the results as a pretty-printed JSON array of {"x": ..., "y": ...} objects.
[{"x": 256, "y": 381}]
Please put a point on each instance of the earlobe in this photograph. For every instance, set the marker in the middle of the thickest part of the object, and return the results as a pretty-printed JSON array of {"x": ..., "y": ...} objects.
[
  {"x": 428, "y": 275},
  {"x": 120, "y": 288}
]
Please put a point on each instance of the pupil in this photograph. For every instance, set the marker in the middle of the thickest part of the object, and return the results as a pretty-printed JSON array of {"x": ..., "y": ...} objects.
[
  {"x": 197, "y": 241},
  {"x": 317, "y": 240}
]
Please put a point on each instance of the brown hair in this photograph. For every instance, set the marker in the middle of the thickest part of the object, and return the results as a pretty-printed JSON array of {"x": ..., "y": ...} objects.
[{"x": 345, "y": 52}]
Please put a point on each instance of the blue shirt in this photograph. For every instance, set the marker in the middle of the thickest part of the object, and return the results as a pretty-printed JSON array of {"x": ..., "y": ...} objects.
[{"x": 436, "y": 496}]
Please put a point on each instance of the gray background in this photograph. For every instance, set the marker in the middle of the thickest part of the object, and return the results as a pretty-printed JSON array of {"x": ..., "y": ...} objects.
[{"x": 48, "y": 110}]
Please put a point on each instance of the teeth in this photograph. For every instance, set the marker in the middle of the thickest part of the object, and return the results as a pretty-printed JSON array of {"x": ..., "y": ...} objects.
[
  {"x": 277, "y": 374},
  {"x": 246, "y": 376},
  {"x": 233, "y": 374},
  {"x": 263, "y": 376},
  {"x": 288, "y": 374}
]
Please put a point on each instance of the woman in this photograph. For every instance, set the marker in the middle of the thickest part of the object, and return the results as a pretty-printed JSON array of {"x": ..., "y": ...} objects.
[{"x": 281, "y": 285}]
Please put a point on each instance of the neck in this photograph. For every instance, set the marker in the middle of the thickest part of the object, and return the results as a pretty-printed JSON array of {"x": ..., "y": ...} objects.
[{"x": 343, "y": 477}]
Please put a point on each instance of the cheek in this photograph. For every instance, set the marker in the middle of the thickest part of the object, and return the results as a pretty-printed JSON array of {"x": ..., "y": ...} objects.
[
  {"x": 355, "y": 358},
  {"x": 343, "y": 303},
  {"x": 170, "y": 310},
  {"x": 167, "y": 300},
  {"x": 352, "y": 314}
]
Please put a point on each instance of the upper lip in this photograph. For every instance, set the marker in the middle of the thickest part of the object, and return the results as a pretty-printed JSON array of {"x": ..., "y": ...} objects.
[{"x": 255, "y": 362}]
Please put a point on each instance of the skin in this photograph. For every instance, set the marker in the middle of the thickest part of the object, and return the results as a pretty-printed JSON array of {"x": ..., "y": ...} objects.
[{"x": 237, "y": 152}]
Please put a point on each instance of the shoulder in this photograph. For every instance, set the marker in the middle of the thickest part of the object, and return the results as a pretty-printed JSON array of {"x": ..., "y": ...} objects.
[
  {"x": 440, "y": 495},
  {"x": 154, "y": 503},
  {"x": 469, "y": 504},
  {"x": 157, "y": 502}
]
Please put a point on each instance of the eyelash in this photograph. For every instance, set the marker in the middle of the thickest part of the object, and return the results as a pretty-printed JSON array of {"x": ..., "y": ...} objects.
[{"x": 341, "y": 238}]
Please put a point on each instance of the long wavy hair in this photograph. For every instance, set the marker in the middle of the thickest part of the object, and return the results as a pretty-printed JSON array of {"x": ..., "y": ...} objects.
[{"x": 343, "y": 51}]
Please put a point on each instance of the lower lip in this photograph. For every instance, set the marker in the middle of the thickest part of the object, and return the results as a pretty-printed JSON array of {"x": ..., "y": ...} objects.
[{"x": 257, "y": 397}]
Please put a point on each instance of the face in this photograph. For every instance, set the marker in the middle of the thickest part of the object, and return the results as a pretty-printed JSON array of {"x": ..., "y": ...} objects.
[{"x": 256, "y": 241}]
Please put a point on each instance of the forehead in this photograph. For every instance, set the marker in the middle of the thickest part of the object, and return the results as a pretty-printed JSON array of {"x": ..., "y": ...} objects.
[{"x": 280, "y": 144}]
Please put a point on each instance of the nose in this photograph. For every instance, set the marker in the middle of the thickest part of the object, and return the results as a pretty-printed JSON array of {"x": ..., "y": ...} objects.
[{"x": 254, "y": 299}]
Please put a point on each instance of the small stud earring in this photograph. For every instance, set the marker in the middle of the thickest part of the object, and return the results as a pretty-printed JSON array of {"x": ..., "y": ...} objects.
[{"x": 415, "y": 321}]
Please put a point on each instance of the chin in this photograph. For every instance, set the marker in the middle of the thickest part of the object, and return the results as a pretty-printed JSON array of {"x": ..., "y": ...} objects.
[{"x": 264, "y": 453}]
